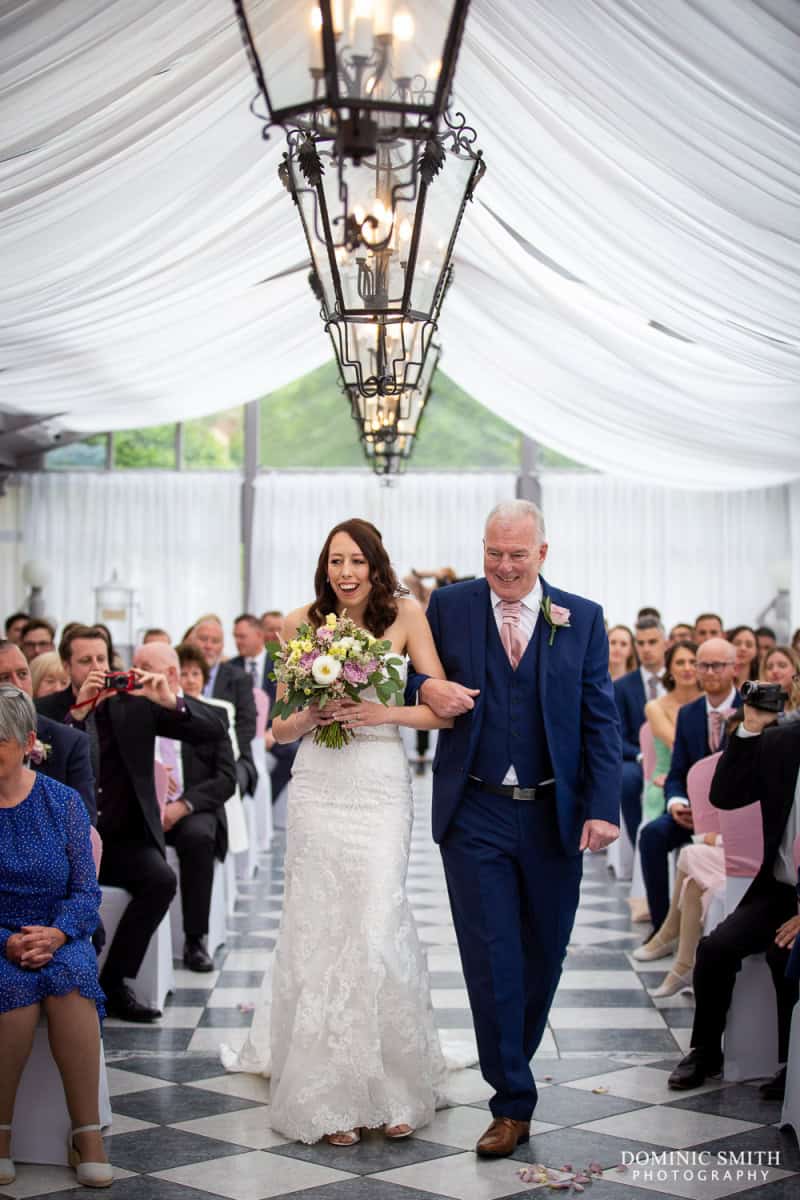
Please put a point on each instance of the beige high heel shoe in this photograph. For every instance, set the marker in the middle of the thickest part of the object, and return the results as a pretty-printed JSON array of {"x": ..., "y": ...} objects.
[
  {"x": 345, "y": 1137},
  {"x": 397, "y": 1132},
  {"x": 90, "y": 1174},
  {"x": 8, "y": 1171}
]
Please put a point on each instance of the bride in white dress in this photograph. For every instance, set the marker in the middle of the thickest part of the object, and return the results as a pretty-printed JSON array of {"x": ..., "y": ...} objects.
[{"x": 347, "y": 1034}]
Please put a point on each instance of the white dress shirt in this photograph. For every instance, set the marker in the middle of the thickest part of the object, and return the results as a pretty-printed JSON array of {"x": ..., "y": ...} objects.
[
  {"x": 647, "y": 675},
  {"x": 178, "y": 768},
  {"x": 728, "y": 702},
  {"x": 259, "y": 660},
  {"x": 528, "y": 616}
]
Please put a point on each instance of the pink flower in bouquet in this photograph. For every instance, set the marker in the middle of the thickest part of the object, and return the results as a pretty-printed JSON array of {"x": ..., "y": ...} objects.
[
  {"x": 324, "y": 634},
  {"x": 371, "y": 667},
  {"x": 307, "y": 660},
  {"x": 354, "y": 673}
]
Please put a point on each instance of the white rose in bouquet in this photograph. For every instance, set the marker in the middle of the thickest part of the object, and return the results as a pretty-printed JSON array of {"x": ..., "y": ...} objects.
[{"x": 326, "y": 669}]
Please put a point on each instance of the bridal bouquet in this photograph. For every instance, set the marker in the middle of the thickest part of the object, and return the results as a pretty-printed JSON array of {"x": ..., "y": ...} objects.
[{"x": 337, "y": 661}]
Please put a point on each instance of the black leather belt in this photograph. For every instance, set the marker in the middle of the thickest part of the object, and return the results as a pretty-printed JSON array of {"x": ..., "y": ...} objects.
[{"x": 509, "y": 791}]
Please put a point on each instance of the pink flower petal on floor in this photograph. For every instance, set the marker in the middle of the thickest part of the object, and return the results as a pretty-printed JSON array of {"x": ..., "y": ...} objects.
[{"x": 599, "y": 1091}]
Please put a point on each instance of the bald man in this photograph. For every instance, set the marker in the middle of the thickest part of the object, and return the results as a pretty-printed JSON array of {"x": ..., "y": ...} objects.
[{"x": 202, "y": 778}]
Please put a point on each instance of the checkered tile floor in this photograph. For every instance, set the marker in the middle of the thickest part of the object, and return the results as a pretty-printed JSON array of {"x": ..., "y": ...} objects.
[{"x": 185, "y": 1130}]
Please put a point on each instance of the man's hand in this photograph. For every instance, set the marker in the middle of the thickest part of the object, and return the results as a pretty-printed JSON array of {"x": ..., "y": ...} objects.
[
  {"x": 269, "y": 739},
  {"x": 788, "y": 932},
  {"x": 597, "y": 835},
  {"x": 755, "y": 720},
  {"x": 154, "y": 687},
  {"x": 92, "y": 686},
  {"x": 447, "y": 699},
  {"x": 39, "y": 944},
  {"x": 173, "y": 812},
  {"x": 682, "y": 815}
]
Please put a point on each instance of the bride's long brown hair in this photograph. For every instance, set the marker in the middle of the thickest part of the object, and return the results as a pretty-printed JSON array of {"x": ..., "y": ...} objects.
[{"x": 381, "y": 608}]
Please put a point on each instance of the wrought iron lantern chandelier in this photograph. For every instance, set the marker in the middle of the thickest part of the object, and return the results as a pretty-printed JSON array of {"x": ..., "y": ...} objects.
[
  {"x": 379, "y": 171},
  {"x": 389, "y": 425}
]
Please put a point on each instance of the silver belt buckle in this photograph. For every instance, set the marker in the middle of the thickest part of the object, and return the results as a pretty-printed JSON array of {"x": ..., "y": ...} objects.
[{"x": 524, "y": 793}]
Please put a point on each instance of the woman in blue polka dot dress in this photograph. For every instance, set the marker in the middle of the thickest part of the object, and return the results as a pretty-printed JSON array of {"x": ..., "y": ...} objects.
[{"x": 49, "y": 902}]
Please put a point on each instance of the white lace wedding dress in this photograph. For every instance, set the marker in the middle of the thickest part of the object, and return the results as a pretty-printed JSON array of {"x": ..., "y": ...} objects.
[{"x": 345, "y": 1025}]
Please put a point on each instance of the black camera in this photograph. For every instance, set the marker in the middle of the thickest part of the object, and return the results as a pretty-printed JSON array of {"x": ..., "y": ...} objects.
[
  {"x": 768, "y": 697},
  {"x": 121, "y": 681}
]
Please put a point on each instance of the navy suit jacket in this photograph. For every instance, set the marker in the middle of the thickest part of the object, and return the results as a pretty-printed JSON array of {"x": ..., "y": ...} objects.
[
  {"x": 69, "y": 760},
  {"x": 630, "y": 699},
  {"x": 267, "y": 685},
  {"x": 691, "y": 744},
  {"x": 580, "y": 718}
]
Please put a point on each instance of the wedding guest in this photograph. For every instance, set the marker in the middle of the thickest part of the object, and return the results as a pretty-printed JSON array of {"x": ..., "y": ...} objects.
[
  {"x": 680, "y": 682},
  {"x": 49, "y": 902},
  {"x": 48, "y": 674},
  {"x": 38, "y": 637},
  {"x": 254, "y": 659},
  {"x": 272, "y": 624},
  {"x": 744, "y": 641},
  {"x": 700, "y": 730},
  {"x": 706, "y": 626},
  {"x": 766, "y": 639},
  {"x": 782, "y": 665},
  {"x": 202, "y": 777},
  {"x": 631, "y": 693},
  {"x": 114, "y": 658},
  {"x": 156, "y": 635},
  {"x": 125, "y": 726},
  {"x": 14, "y": 626},
  {"x": 61, "y": 753},
  {"x": 227, "y": 682},
  {"x": 648, "y": 612},
  {"x": 796, "y": 641},
  {"x": 682, "y": 632},
  {"x": 621, "y": 651}
]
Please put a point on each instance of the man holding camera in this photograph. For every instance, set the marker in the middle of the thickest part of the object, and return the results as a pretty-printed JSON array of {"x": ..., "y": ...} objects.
[
  {"x": 123, "y": 714},
  {"x": 760, "y": 764}
]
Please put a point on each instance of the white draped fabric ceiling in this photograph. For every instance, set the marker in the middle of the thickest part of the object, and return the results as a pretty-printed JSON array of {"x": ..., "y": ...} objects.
[{"x": 644, "y": 166}]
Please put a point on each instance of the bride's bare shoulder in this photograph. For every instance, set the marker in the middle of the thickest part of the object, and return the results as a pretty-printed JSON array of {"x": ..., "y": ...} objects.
[
  {"x": 409, "y": 610},
  {"x": 294, "y": 620}
]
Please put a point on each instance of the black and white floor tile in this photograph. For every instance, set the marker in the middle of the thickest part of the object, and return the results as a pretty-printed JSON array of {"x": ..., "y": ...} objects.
[{"x": 185, "y": 1130}]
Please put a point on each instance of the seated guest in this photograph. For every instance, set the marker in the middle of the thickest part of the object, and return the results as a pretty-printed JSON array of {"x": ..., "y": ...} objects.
[
  {"x": 706, "y": 626},
  {"x": 114, "y": 658},
  {"x": 202, "y": 778},
  {"x": 781, "y": 665},
  {"x": 253, "y": 657},
  {"x": 14, "y": 626},
  {"x": 759, "y": 765},
  {"x": 699, "y": 731},
  {"x": 745, "y": 643},
  {"x": 38, "y": 637},
  {"x": 49, "y": 902},
  {"x": 682, "y": 632},
  {"x": 48, "y": 674},
  {"x": 124, "y": 727},
  {"x": 62, "y": 753},
  {"x": 272, "y": 624},
  {"x": 766, "y": 640},
  {"x": 621, "y": 652},
  {"x": 680, "y": 681},
  {"x": 631, "y": 692},
  {"x": 796, "y": 641},
  {"x": 648, "y": 612},
  {"x": 156, "y": 635},
  {"x": 229, "y": 682}
]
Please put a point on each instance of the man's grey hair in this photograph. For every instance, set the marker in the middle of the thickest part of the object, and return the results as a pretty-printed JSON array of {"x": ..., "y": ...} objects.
[
  {"x": 649, "y": 623},
  {"x": 514, "y": 510},
  {"x": 17, "y": 715}
]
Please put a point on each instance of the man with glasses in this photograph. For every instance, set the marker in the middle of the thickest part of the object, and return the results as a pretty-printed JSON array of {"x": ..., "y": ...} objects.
[
  {"x": 700, "y": 731},
  {"x": 38, "y": 637}
]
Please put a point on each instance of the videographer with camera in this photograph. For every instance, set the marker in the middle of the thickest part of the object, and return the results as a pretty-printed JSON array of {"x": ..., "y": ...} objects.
[
  {"x": 760, "y": 764},
  {"x": 123, "y": 713}
]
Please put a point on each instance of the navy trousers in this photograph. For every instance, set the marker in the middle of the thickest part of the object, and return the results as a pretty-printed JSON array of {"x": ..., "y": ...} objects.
[
  {"x": 656, "y": 839},
  {"x": 514, "y": 894}
]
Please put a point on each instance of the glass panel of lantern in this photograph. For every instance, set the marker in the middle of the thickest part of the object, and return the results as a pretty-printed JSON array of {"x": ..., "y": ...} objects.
[
  {"x": 390, "y": 424},
  {"x": 378, "y": 358}
]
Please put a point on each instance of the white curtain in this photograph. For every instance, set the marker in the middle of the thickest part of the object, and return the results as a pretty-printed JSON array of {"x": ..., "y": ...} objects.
[
  {"x": 627, "y": 545},
  {"x": 643, "y": 167},
  {"x": 427, "y": 521},
  {"x": 794, "y": 575},
  {"x": 174, "y": 537}
]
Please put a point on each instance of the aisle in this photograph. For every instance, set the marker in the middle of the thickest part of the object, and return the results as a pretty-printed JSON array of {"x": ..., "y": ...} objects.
[{"x": 184, "y": 1130}]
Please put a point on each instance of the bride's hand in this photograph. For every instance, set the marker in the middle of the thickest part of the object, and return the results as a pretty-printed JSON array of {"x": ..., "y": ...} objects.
[
  {"x": 356, "y": 714},
  {"x": 322, "y": 716}
]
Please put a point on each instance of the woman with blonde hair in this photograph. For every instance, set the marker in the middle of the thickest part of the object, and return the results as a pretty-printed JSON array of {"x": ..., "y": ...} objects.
[{"x": 48, "y": 674}]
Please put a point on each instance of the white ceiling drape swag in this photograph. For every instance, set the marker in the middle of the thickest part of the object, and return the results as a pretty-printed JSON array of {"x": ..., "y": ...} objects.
[{"x": 644, "y": 166}]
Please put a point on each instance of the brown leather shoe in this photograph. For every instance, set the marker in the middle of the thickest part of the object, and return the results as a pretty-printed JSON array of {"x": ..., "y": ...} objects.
[{"x": 502, "y": 1137}]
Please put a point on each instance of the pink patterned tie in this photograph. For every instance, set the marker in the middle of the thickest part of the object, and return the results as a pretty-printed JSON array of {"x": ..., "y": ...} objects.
[
  {"x": 511, "y": 634},
  {"x": 718, "y": 719}
]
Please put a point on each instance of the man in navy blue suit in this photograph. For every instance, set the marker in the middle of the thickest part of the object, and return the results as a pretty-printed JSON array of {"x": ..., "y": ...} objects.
[
  {"x": 527, "y": 778},
  {"x": 68, "y": 757},
  {"x": 254, "y": 659},
  {"x": 700, "y": 731},
  {"x": 631, "y": 693}
]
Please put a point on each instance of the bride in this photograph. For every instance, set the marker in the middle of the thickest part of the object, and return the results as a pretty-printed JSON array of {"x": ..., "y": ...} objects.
[{"x": 350, "y": 1040}]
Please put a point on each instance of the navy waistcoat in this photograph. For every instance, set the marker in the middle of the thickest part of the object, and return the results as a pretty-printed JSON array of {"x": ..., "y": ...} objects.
[{"x": 512, "y": 733}]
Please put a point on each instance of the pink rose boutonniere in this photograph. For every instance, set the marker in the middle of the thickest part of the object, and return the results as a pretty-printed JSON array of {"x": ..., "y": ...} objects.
[
  {"x": 40, "y": 752},
  {"x": 556, "y": 616}
]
